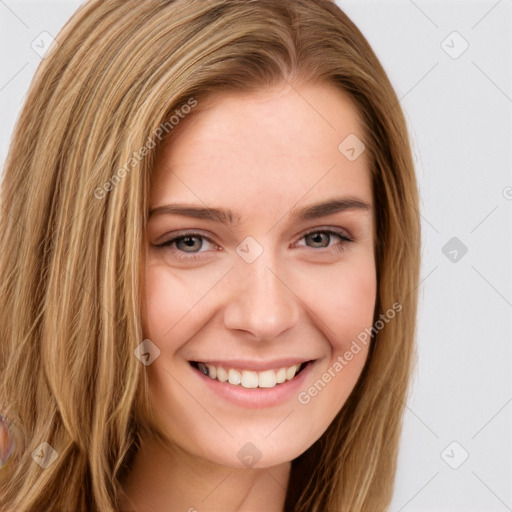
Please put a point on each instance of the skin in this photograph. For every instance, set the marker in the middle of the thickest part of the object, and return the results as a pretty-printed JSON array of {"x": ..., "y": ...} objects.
[{"x": 261, "y": 155}]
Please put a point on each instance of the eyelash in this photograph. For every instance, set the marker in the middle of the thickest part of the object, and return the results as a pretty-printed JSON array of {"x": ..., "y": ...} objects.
[{"x": 195, "y": 256}]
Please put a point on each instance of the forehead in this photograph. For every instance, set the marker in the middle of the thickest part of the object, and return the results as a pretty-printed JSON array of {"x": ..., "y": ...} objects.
[{"x": 263, "y": 151}]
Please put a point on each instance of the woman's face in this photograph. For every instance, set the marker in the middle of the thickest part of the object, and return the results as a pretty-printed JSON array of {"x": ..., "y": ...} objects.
[{"x": 273, "y": 287}]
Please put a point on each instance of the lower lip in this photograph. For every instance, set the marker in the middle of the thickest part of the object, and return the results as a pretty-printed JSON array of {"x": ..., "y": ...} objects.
[{"x": 257, "y": 398}]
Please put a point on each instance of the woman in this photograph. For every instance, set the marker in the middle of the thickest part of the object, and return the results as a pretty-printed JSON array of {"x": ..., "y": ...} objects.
[{"x": 175, "y": 334}]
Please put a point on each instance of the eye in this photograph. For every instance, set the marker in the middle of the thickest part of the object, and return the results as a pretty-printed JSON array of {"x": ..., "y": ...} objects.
[
  {"x": 187, "y": 246},
  {"x": 319, "y": 236}
]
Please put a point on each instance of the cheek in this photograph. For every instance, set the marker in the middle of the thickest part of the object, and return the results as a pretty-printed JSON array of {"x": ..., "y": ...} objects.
[
  {"x": 169, "y": 297},
  {"x": 342, "y": 298},
  {"x": 355, "y": 307},
  {"x": 344, "y": 304}
]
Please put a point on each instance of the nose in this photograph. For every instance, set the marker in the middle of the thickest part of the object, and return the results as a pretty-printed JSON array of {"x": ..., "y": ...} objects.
[{"x": 261, "y": 301}]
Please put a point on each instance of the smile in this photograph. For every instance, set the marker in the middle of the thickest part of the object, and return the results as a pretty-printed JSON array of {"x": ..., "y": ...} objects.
[{"x": 250, "y": 379}]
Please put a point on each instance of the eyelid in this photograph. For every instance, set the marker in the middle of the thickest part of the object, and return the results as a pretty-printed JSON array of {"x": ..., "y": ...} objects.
[
  {"x": 329, "y": 229},
  {"x": 170, "y": 237}
]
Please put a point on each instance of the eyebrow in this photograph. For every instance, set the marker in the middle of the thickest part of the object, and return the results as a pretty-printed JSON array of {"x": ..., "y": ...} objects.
[{"x": 228, "y": 217}]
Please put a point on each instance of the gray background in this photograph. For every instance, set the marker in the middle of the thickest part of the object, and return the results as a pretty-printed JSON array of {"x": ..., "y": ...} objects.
[{"x": 459, "y": 108}]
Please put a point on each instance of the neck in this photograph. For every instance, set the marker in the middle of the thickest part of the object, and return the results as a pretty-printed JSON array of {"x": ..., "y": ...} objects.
[{"x": 164, "y": 479}]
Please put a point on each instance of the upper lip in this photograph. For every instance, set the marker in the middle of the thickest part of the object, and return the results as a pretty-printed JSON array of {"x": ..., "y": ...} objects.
[{"x": 254, "y": 365}]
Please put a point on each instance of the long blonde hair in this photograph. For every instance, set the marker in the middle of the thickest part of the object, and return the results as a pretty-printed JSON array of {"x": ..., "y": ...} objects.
[{"x": 71, "y": 257}]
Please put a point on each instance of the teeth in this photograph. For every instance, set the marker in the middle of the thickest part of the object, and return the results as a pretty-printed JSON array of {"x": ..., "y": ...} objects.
[
  {"x": 281, "y": 375},
  {"x": 212, "y": 371},
  {"x": 290, "y": 372},
  {"x": 222, "y": 375},
  {"x": 248, "y": 378},
  {"x": 234, "y": 377},
  {"x": 267, "y": 379}
]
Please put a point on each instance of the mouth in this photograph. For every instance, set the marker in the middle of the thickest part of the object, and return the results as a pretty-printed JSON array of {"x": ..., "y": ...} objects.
[{"x": 250, "y": 379}]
